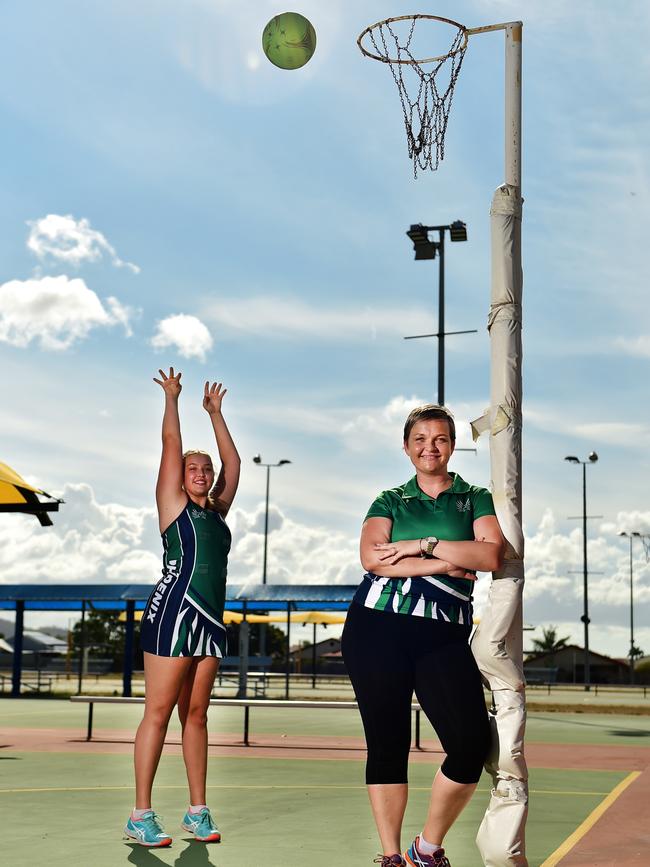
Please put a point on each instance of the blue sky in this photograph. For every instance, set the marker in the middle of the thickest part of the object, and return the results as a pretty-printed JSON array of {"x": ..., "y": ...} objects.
[{"x": 156, "y": 165}]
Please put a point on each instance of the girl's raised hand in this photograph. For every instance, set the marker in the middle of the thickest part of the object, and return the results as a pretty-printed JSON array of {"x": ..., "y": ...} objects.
[
  {"x": 171, "y": 384},
  {"x": 212, "y": 397}
]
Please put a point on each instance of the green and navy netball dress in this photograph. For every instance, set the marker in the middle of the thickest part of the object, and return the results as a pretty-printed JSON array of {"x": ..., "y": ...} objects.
[{"x": 184, "y": 614}]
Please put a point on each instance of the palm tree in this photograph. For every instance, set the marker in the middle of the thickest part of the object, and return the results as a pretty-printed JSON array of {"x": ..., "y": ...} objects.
[{"x": 549, "y": 642}]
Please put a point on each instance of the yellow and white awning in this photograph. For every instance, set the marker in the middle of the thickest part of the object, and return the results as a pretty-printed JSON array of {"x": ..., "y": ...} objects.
[{"x": 17, "y": 495}]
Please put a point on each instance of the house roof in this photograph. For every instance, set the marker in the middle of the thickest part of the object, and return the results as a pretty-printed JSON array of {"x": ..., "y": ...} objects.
[{"x": 556, "y": 656}]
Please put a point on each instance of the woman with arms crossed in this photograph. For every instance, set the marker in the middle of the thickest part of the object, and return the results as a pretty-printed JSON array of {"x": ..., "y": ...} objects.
[
  {"x": 182, "y": 632},
  {"x": 407, "y": 631}
]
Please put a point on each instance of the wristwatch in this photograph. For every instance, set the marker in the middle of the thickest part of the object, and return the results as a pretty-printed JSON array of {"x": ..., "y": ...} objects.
[{"x": 431, "y": 541}]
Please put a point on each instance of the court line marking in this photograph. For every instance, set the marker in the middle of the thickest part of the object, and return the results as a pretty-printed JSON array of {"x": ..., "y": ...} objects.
[
  {"x": 590, "y": 821},
  {"x": 271, "y": 786}
]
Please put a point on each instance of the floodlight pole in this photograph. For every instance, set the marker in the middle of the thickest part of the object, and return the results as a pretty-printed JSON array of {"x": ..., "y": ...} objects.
[
  {"x": 438, "y": 248},
  {"x": 631, "y": 536},
  {"x": 593, "y": 457},
  {"x": 258, "y": 460}
]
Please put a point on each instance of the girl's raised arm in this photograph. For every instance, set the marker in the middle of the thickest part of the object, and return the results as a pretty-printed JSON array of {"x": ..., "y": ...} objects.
[
  {"x": 170, "y": 496},
  {"x": 226, "y": 485}
]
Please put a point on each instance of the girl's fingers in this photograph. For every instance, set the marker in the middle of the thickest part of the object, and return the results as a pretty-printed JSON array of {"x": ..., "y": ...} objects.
[
  {"x": 162, "y": 373},
  {"x": 157, "y": 380}
]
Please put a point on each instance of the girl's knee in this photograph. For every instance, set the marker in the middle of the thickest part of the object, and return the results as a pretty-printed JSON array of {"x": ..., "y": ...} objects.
[
  {"x": 197, "y": 715},
  {"x": 158, "y": 714}
]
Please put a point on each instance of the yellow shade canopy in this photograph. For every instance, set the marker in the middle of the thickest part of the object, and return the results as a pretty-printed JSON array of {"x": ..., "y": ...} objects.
[
  {"x": 296, "y": 617},
  {"x": 11, "y": 484},
  {"x": 17, "y": 495}
]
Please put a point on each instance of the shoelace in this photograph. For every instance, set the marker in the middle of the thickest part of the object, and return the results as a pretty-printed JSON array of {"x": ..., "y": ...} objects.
[
  {"x": 434, "y": 860},
  {"x": 153, "y": 823},
  {"x": 389, "y": 861},
  {"x": 205, "y": 820}
]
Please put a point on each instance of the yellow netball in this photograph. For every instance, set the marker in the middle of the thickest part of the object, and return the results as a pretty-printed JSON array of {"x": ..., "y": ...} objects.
[{"x": 289, "y": 40}]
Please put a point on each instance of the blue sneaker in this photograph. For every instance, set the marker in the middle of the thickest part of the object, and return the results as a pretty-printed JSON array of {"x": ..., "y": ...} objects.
[
  {"x": 147, "y": 831},
  {"x": 414, "y": 857},
  {"x": 202, "y": 826}
]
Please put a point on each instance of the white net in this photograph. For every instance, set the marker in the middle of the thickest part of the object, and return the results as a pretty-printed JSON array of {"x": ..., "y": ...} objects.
[{"x": 430, "y": 81}]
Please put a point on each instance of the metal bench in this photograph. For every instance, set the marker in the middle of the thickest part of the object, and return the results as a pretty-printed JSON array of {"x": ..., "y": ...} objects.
[{"x": 246, "y": 703}]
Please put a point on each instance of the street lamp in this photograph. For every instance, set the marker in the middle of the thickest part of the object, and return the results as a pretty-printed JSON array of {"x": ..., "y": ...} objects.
[
  {"x": 593, "y": 457},
  {"x": 631, "y": 536},
  {"x": 258, "y": 460},
  {"x": 426, "y": 249}
]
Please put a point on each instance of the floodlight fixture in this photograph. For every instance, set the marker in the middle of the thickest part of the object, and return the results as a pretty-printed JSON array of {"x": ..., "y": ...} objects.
[
  {"x": 458, "y": 231},
  {"x": 424, "y": 248}
]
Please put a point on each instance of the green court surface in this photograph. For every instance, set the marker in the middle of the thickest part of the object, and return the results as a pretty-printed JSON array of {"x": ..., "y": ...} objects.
[
  {"x": 544, "y": 727},
  {"x": 271, "y": 811}
]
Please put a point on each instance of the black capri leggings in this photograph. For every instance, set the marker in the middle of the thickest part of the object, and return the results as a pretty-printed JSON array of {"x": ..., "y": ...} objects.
[{"x": 388, "y": 657}]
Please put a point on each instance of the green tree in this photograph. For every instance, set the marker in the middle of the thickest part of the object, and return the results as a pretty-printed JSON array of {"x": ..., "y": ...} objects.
[
  {"x": 549, "y": 642},
  {"x": 104, "y": 634},
  {"x": 276, "y": 640}
]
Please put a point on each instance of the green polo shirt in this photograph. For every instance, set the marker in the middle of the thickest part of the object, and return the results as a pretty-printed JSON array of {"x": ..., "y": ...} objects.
[
  {"x": 449, "y": 516},
  {"x": 414, "y": 515}
]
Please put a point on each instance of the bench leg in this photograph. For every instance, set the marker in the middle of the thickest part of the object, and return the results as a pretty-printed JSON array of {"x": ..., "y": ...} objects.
[{"x": 89, "y": 735}]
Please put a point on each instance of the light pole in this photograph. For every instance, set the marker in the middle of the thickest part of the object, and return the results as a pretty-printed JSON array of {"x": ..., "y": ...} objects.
[
  {"x": 426, "y": 249},
  {"x": 631, "y": 536},
  {"x": 593, "y": 457},
  {"x": 258, "y": 460}
]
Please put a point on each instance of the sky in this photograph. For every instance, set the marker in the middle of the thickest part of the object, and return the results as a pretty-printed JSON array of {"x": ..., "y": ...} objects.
[{"x": 168, "y": 197}]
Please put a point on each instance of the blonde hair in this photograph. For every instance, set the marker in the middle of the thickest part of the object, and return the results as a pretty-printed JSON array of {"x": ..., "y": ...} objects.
[{"x": 213, "y": 502}]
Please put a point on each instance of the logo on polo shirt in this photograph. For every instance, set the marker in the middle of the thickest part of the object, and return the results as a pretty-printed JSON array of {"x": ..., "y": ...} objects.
[{"x": 463, "y": 505}]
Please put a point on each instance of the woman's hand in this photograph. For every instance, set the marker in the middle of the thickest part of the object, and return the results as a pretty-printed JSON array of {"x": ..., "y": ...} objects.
[
  {"x": 392, "y": 552},
  {"x": 459, "y": 572},
  {"x": 171, "y": 384},
  {"x": 212, "y": 397}
]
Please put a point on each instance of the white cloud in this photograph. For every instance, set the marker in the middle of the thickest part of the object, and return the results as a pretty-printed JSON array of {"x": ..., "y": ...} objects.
[
  {"x": 71, "y": 241},
  {"x": 297, "y": 553},
  {"x": 55, "y": 311},
  {"x": 387, "y": 423},
  {"x": 90, "y": 542},
  {"x": 186, "y": 333},
  {"x": 281, "y": 318},
  {"x": 93, "y": 542},
  {"x": 546, "y": 417},
  {"x": 638, "y": 346}
]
